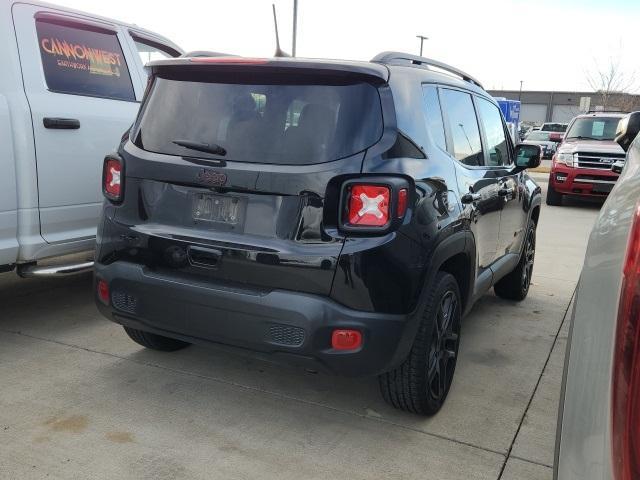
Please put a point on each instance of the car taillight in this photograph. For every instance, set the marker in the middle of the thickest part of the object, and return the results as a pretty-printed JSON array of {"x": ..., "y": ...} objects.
[
  {"x": 113, "y": 178},
  {"x": 625, "y": 395},
  {"x": 368, "y": 205},
  {"x": 372, "y": 204}
]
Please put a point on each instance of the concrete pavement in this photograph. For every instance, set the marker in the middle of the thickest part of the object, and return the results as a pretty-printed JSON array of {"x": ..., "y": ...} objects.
[{"x": 80, "y": 400}]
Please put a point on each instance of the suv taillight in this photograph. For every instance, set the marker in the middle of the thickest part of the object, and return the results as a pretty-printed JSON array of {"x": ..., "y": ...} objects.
[
  {"x": 113, "y": 178},
  {"x": 374, "y": 205},
  {"x": 625, "y": 395},
  {"x": 368, "y": 205}
]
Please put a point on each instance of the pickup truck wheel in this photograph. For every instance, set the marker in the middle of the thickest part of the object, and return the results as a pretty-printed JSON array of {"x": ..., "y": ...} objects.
[
  {"x": 421, "y": 384},
  {"x": 155, "y": 342},
  {"x": 553, "y": 197},
  {"x": 515, "y": 285}
]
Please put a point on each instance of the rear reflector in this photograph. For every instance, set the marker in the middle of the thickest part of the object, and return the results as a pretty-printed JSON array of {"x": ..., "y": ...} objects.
[
  {"x": 103, "y": 291},
  {"x": 112, "y": 179},
  {"x": 403, "y": 198},
  {"x": 368, "y": 205},
  {"x": 625, "y": 400},
  {"x": 346, "y": 339}
]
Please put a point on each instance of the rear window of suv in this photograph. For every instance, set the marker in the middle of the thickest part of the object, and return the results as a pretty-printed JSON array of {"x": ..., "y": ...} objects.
[
  {"x": 554, "y": 127},
  {"x": 261, "y": 122}
]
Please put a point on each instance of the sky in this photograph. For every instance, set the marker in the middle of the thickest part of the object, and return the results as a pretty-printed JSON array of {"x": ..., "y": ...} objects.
[{"x": 546, "y": 44}]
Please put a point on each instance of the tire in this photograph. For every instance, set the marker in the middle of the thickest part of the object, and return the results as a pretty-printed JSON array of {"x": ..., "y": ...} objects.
[
  {"x": 155, "y": 342},
  {"x": 553, "y": 197},
  {"x": 421, "y": 384},
  {"x": 515, "y": 285}
]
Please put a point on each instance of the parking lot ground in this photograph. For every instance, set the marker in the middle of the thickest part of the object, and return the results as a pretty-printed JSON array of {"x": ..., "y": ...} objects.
[{"x": 80, "y": 400}]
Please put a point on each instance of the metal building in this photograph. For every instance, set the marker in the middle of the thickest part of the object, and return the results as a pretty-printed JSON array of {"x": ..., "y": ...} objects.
[{"x": 545, "y": 106}]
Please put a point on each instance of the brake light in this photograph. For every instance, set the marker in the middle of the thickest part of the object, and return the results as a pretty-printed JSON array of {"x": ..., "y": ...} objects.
[
  {"x": 625, "y": 395},
  {"x": 112, "y": 178},
  {"x": 368, "y": 205},
  {"x": 346, "y": 339},
  {"x": 232, "y": 60},
  {"x": 103, "y": 291}
]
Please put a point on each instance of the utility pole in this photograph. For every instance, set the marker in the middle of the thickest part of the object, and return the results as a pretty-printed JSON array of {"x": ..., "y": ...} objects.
[
  {"x": 295, "y": 27},
  {"x": 520, "y": 93},
  {"x": 422, "y": 39}
]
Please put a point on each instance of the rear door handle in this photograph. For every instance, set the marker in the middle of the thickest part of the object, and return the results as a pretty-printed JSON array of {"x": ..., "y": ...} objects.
[{"x": 61, "y": 123}]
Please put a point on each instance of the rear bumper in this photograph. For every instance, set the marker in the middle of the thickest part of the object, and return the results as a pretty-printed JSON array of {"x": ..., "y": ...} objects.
[
  {"x": 581, "y": 181},
  {"x": 292, "y": 325}
]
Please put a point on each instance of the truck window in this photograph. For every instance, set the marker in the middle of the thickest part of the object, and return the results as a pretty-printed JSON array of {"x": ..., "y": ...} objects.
[
  {"x": 150, "y": 51},
  {"x": 83, "y": 62}
]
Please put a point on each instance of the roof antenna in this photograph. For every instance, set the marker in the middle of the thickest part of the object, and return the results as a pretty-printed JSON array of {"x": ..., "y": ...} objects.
[{"x": 279, "y": 51}]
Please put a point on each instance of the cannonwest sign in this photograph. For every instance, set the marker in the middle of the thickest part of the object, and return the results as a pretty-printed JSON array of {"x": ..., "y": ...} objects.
[{"x": 80, "y": 57}]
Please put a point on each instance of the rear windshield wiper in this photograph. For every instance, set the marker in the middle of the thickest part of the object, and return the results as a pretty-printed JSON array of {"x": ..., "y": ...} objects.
[{"x": 201, "y": 147}]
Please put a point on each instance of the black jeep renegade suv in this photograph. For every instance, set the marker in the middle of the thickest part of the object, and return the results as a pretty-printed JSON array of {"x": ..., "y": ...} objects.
[{"x": 339, "y": 214}]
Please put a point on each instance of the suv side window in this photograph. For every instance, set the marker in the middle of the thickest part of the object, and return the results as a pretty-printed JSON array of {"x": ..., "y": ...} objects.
[
  {"x": 463, "y": 126},
  {"x": 497, "y": 146},
  {"x": 433, "y": 115},
  {"x": 83, "y": 62}
]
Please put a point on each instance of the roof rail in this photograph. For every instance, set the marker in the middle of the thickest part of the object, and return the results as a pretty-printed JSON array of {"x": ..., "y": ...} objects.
[
  {"x": 606, "y": 111},
  {"x": 389, "y": 57}
]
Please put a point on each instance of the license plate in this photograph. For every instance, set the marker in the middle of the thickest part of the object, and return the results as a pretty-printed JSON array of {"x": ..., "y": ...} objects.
[
  {"x": 602, "y": 187},
  {"x": 224, "y": 210}
]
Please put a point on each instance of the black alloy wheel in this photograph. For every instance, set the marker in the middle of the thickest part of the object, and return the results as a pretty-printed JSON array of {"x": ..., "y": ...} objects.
[
  {"x": 443, "y": 353},
  {"x": 421, "y": 383},
  {"x": 515, "y": 285}
]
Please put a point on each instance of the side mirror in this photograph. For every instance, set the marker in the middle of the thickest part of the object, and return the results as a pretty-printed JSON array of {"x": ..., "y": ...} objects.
[
  {"x": 627, "y": 130},
  {"x": 617, "y": 167},
  {"x": 528, "y": 156}
]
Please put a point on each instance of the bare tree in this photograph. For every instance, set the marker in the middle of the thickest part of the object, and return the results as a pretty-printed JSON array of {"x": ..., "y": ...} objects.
[{"x": 610, "y": 80}]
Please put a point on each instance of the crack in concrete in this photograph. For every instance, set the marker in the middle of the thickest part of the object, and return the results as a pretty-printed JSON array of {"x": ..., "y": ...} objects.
[
  {"x": 535, "y": 389},
  {"x": 532, "y": 462}
]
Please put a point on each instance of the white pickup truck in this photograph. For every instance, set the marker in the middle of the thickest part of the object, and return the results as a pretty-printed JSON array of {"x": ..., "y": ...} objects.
[{"x": 70, "y": 86}]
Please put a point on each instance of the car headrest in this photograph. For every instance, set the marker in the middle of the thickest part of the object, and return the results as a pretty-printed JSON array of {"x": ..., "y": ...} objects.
[{"x": 316, "y": 115}]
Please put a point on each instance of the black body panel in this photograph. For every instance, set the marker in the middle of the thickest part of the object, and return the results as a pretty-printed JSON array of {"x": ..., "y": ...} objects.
[
  {"x": 278, "y": 322},
  {"x": 287, "y": 262}
]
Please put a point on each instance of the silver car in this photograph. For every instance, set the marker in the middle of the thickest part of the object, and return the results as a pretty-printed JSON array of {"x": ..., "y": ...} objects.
[
  {"x": 598, "y": 434},
  {"x": 538, "y": 137}
]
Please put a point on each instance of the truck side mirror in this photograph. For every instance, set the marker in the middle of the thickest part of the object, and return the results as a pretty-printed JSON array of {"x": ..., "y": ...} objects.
[
  {"x": 628, "y": 128},
  {"x": 528, "y": 156}
]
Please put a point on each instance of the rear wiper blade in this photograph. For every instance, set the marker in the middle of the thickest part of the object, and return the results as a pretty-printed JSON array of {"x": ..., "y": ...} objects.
[{"x": 201, "y": 147}]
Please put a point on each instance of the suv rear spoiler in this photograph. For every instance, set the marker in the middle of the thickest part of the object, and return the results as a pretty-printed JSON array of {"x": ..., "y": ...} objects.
[{"x": 230, "y": 63}]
